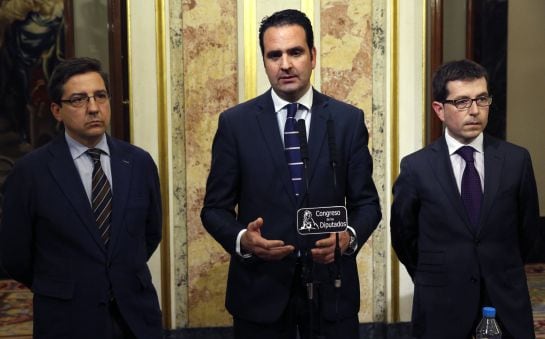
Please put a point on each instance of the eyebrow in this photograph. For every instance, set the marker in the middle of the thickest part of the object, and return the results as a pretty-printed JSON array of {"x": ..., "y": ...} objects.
[
  {"x": 85, "y": 93},
  {"x": 278, "y": 52},
  {"x": 467, "y": 97}
]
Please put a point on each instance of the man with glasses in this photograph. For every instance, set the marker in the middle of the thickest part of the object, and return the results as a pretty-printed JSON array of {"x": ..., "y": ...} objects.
[
  {"x": 462, "y": 208},
  {"x": 81, "y": 217}
]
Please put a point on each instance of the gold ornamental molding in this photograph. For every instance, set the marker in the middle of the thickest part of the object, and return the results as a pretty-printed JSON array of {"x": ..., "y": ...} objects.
[{"x": 164, "y": 163}]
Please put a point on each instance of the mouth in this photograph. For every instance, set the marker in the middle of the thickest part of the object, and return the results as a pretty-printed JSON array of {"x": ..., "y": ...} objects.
[
  {"x": 288, "y": 78},
  {"x": 95, "y": 123}
]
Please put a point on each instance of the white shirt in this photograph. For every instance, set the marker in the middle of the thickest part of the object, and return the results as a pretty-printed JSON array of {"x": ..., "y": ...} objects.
[
  {"x": 459, "y": 164},
  {"x": 303, "y": 112},
  {"x": 84, "y": 164}
]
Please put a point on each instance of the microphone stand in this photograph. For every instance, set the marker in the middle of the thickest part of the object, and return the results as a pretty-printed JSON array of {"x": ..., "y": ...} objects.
[
  {"x": 308, "y": 263},
  {"x": 337, "y": 283}
]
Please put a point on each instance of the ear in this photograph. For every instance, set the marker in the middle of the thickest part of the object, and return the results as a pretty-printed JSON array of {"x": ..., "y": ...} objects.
[
  {"x": 439, "y": 109},
  {"x": 313, "y": 56},
  {"x": 56, "y": 111}
]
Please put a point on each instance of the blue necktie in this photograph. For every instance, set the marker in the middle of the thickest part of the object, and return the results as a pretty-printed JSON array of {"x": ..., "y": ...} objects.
[
  {"x": 471, "y": 191},
  {"x": 101, "y": 196},
  {"x": 292, "y": 149}
]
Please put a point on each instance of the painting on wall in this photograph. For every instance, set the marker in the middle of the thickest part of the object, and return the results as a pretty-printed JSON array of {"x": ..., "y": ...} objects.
[{"x": 32, "y": 42}]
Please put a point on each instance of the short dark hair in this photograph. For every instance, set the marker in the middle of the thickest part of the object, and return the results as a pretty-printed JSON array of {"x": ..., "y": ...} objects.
[
  {"x": 286, "y": 17},
  {"x": 67, "y": 69},
  {"x": 455, "y": 70}
]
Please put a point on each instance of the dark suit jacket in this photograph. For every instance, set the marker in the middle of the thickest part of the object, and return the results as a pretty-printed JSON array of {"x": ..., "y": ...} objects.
[
  {"x": 249, "y": 178},
  {"x": 49, "y": 241},
  {"x": 447, "y": 258}
]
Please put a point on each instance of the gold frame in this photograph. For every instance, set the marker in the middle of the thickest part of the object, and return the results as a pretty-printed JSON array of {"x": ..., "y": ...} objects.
[
  {"x": 250, "y": 47},
  {"x": 394, "y": 139},
  {"x": 164, "y": 163}
]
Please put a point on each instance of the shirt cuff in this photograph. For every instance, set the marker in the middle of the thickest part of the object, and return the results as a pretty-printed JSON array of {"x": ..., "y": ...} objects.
[{"x": 239, "y": 249}]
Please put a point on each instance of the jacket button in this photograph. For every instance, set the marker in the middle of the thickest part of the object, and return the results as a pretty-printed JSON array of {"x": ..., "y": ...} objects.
[{"x": 473, "y": 280}]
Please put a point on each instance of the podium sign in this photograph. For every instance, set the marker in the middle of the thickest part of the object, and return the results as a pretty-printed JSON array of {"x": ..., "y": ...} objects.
[{"x": 318, "y": 220}]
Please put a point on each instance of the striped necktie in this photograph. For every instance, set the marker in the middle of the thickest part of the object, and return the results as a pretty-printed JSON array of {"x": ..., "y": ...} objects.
[
  {"x": 101, "y": 196},
  {"x": 292, "y": 149},
  {"x": 471, "y": 191}
]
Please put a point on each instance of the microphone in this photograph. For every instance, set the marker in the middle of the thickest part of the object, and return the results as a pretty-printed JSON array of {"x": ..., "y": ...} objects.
[
  {"x": 332, "y": 148},
  {"x": 333, "y": 160}
]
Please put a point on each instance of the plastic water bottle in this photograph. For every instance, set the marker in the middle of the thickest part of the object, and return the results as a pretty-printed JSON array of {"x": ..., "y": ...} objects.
[{"x": 488, "y": 327}]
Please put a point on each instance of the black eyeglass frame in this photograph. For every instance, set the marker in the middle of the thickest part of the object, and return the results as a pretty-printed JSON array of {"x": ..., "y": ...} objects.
[
  {"x": 466, "y": 103},
  {"x": 83, "y": 100}
]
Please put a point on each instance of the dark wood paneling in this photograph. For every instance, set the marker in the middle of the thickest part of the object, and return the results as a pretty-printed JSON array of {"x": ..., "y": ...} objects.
[
  {"x": 117, "y": 41},
  {"x": 435, "y": 126}
]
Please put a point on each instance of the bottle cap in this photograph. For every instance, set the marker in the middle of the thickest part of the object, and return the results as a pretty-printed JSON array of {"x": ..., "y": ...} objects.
[{"x": 489, "y": 312}]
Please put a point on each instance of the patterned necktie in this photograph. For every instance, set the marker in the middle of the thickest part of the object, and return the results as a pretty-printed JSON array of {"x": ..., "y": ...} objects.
[
  {"x": 292, "y": 149},
  {"x": 471, "y": 191},
  {"x": 101, "y": 196}
]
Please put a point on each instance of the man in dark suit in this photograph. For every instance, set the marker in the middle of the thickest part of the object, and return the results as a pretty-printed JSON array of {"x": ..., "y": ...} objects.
[
  {"x": 252, "y": 197},
  {"x": 81, "y": 217},
  {"x": 463, "y": 224}
]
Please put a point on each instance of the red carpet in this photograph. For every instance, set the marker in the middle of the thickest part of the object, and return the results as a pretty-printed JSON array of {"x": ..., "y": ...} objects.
[
  {"x": 536, "y": 283},
  {"x": 16, "y": 305}
]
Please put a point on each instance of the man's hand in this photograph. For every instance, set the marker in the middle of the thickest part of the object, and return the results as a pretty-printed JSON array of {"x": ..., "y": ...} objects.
[
  {"x": 252, "y": 242},
  {"x": 324, "y": 252}
]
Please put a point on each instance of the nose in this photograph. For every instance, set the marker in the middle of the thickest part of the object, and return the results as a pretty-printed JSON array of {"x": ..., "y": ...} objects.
[
  {"x": 92, "y": 106},
  {"x": 285, "y": 62},
  {"x": 473, "y": 109}
]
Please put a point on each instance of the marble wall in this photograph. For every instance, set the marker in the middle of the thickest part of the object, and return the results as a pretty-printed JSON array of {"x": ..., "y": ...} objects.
[
  {"x": 203, "y": 81},
  {"x": 346, "y": 54}
]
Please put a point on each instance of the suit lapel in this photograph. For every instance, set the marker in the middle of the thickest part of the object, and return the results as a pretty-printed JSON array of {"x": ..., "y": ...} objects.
[
  {"x": 121, "y": 165},
  {"x": 268, "y": 123},
  {"x": 66, "y": 175},
  {"x": 442, "y": 167},
  {"x": 493, "y": 162}
]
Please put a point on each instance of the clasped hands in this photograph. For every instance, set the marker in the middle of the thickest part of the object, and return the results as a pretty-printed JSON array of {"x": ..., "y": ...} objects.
[{"x": 323, "y": 252}]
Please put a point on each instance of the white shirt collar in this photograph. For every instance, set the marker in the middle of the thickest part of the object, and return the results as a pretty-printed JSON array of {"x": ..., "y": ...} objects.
[
  {"x": 305, "y": 100},
  {"x": 454, "y": 144}
]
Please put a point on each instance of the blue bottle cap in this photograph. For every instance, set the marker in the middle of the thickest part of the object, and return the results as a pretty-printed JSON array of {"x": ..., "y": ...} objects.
[{"x": 489, "y": 312}]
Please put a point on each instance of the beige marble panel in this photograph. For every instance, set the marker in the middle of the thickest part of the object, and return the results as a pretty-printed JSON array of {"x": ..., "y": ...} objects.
[
  {"x": 210, "y": 86},
  {"x": 347, "y": 74},
  {"x": 380, "y": 163},
  {"x": 178, "y": 163}
]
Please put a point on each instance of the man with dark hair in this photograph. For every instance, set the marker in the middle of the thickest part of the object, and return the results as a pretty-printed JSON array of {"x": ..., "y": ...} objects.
[
  {"x": 81, "y": 217},
  {"x": 464, "y": 216},
  {"x": 281, "y": 283}
]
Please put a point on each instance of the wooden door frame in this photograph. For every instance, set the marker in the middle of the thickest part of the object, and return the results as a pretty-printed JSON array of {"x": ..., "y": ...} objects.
[
  {"x": 435, "y": 129},
  {"x": 119, "y": 83}
]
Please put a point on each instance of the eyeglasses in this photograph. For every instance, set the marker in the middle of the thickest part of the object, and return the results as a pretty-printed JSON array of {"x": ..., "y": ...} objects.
[
  {"x": 465, "y": 103},
  {"x": 79, "y": 100}
]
